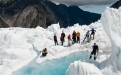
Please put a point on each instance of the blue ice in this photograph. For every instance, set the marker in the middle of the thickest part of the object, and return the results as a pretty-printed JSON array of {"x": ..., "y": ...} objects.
[{"x": 51, "y": 67}]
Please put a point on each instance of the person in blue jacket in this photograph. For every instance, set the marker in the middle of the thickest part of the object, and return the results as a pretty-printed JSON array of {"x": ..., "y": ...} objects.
[{"x": 92, "y": 32}]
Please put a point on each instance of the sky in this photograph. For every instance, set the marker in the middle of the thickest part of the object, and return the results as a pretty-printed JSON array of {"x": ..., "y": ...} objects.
[
  {"x": 96, "y": 9},
  {"x": 97, "y": 6}
]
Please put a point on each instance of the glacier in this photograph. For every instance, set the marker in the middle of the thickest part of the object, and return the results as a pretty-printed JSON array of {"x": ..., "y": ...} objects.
[
  {"x": 111, "y": 22},
  {"x": 20, "y": 48}
]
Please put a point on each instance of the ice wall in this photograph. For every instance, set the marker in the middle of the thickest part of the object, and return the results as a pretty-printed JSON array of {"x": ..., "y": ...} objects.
[
  {"x": 81, "y": 68},
  {"x": 111, "y": 21}
]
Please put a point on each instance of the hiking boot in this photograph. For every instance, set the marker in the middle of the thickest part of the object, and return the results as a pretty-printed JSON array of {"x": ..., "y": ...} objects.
[
  {"x": 90, "y": 57},
  {"x": 94, "y": 58}
]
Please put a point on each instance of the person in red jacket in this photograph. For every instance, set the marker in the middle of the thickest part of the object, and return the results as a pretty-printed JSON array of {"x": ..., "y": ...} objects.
[
  {"x": 69, "y": 39},
  {"x": 55, "y": 39}
]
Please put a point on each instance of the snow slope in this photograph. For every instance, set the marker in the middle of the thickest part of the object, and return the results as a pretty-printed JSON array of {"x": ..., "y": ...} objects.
[{"x": 111, "y": 21}]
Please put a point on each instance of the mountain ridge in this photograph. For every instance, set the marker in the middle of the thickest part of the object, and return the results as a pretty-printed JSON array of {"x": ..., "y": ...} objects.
[
  {"x": 33, "y": 13},
  {"x": 116, "y": 5}
]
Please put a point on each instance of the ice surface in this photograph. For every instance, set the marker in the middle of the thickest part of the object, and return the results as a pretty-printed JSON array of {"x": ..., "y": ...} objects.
[
  {"x": 21, "y": 45},
  {"x": 111, "y": 21},
  {"x": 112, "y": 25},
  {"x": 51, "y": 67}
]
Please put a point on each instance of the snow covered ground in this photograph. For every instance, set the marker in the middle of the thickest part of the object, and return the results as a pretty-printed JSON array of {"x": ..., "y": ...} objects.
[
  {"x": 111, "y": 21},
  {"x": 18, "y": 46}
]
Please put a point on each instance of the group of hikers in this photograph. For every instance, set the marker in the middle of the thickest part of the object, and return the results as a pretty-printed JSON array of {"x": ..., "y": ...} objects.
[{"x": 76, "y": 39}]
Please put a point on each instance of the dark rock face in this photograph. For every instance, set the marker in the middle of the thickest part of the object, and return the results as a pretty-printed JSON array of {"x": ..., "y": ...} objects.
[
  {"x": 32, "y": 13},
  {"x": 117, "y": 4}
]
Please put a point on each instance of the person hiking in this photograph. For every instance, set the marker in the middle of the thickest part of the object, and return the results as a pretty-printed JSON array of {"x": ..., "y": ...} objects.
[
  {"x": 69, "y": 39},
  {"x": 74, "y": 37},
  {"x": 55, "y": 39},
  {"x": 92, "y": 32},
  {"x": 87, "y": 36},
  {"x": 78, "y": 37},
  {"x": 44, "y": 52},
  {"x": 62, "y": 37},
  {"x": 94, "y": 51}
]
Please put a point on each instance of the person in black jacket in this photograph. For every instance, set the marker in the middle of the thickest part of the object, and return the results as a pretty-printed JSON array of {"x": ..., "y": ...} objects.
[
  {"x": 62, "y": 37},
  {"x": 74, "y": 36},
  {"x": 94, "y": 50},
  {"x": 44, "y": 52}
]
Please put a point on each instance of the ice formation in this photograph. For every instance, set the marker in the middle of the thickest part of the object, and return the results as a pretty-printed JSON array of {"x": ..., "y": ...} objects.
[{"x": 111, "y": 22}]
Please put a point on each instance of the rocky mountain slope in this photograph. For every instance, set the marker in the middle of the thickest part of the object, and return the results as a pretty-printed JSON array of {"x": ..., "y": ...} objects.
[
  {"x": 32, "y": 13},
  {"x": 117, "y": 4}
]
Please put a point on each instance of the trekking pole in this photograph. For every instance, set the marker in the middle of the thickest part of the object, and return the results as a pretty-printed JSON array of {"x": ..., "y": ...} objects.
[{"x": 97, "y": 54}]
